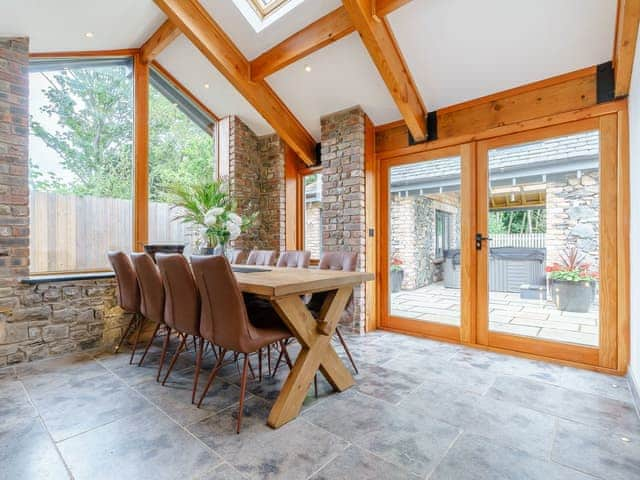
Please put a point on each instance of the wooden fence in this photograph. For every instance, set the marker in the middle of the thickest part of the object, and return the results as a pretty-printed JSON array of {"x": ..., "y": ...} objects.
[
  {"x": 70, "y": 233},
  {"x": 519, "y": 240}
]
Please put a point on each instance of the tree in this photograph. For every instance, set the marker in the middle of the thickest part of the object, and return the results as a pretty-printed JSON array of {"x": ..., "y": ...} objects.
[{"x": 93, "y": 108}]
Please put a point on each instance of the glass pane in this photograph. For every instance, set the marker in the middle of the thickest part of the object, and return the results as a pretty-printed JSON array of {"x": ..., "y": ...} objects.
[
  {"x": 313, "y": 214},
  {"x": 424, "y": 220},
  {"x": 180, "y": 152},
  {"x": 544, "y": 206},
  {"x": 81, "y": 169}
]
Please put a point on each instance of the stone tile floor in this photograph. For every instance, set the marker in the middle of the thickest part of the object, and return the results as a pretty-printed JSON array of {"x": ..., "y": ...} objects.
[
  {"x": 507, "y": 313},
  {"x": 420, "y": 409}
]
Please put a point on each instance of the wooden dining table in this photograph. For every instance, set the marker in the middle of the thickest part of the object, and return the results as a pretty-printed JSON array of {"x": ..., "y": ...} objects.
[{"x": 285, "y": 289}]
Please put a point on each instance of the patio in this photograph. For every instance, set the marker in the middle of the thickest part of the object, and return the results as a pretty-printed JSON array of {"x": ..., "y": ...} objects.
[
  {"x": 507, "y": 313},
  {"x": 420, "y": 409}
]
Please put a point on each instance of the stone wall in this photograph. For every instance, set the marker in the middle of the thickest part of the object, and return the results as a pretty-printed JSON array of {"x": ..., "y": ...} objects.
[
  {"x": 313, "y": 228},
  {"x": 343, "y": 193},
  {"x": 573, "y": 208}
]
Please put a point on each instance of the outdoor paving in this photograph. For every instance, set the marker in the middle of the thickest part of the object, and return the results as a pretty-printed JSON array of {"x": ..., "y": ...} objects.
[
  {"x": 507, "y": 313},
  {"x": 420, "y": 409}
]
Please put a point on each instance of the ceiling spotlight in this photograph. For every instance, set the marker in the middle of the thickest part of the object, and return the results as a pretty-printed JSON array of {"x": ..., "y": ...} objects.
[
  {"x": 206, "y": 85},
  {"x": 89, "y": 34},
  {"x": 307, "y": 68}
]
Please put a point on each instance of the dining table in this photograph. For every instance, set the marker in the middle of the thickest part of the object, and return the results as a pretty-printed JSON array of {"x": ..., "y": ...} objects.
[{"x": 285, "y": 289}]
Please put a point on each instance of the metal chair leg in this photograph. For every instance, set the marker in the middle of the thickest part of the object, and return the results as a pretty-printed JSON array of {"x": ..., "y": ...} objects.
[
  {"x": 213, "y": 374},
  {"x": 346, "y": 349},
  {"x": 175, "y": 357},
  {"x": 243, "y": 389},
  {"x": 124, "y": 334},
  {"x": 197, "y": 373},
  {"x": 165, "y": 346},
  {"x": 269, "y": 359},
  {"x": 135, "y": 342},
  {"x": 260, "y": 365},
  {"x": 153, "y": 337}
]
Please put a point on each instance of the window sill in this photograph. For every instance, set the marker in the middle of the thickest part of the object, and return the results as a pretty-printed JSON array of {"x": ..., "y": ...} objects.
[{"x": 65, "y": 277}]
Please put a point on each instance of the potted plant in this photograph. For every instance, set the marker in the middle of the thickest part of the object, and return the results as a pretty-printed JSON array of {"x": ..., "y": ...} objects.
[
  {"x": 209, "y": 207},
  {"x": 397, "y": 274},
  {"x": 572, "y": 282}
]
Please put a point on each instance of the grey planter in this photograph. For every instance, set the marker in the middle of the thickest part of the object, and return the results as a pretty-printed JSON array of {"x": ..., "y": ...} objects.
[
  {"x": 572, "y": 296},
  {"x": 396, "y": 280}
]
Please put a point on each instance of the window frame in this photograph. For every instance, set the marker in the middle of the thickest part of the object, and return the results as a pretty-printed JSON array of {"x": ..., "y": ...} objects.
[{"x": 300, "y": 237}]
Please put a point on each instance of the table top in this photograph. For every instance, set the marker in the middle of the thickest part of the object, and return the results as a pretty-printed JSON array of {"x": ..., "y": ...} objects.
[{"x": 277, "y": 282}]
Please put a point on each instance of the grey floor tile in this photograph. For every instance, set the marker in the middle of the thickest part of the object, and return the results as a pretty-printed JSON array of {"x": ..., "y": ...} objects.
[
  {"x": 174, "y": 398},
  {"x": 599, "y": 452},
  {"x": 14, "y": 404},
  {"x": 506, "y": 423},
  {"x": 27, "y": 452},
  {"x": 478, "y": 458},
  {"x": 7, "y": 374},
  {"x": 294, "y": 451},
  {"x": 78, "y": 406},
  {"x": 569, "y": 404},
  {"x": 57, "y": 371},
  {"x": 384, "y": 383},
  {"x": 144, "y": 446},
  {"x": 224, "y": 471},
  {"x": 597, "y": 383},
  {"x": 403, "y": 437},
  {"x": 356, "y": 464}
]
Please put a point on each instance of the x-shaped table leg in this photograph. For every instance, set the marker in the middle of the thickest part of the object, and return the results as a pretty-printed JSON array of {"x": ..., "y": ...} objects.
[{"x": 317, "y": 352}]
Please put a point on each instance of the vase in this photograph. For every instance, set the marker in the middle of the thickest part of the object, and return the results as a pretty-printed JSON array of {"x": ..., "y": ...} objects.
[
  {"x": 396, "y": 280},
  {"x": 570, "y": 296}
]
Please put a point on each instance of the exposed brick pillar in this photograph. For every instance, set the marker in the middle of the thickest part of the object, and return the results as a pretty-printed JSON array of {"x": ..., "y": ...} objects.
[
  {"x": 343, "y": 193},
  {"x": 255, "y": 167}
]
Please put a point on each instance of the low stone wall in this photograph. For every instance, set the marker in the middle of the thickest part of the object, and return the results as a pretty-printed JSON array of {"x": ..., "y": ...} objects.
[
  {"x": 313, "y": 228},
  {"x": 48, "y": 319}
]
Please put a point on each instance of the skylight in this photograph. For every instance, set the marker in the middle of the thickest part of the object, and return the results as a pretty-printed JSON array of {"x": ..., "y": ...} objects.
[{"x": 262, "y": 13}]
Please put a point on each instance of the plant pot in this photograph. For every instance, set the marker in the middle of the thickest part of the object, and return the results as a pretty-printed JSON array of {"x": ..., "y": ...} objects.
[
  {"x": 209, "y": 251},
  {"x": 396, "y": 280},
  {"x": 572, "y": 296}
]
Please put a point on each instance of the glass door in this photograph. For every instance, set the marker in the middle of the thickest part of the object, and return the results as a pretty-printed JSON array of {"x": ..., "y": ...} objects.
[
  {"x": 546, "y": 242},
  {"x": 423, "y": 226}
]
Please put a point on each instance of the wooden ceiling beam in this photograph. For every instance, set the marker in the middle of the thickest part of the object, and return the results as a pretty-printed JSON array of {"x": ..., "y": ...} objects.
[
  {"x": 157, "y": 42},
  {"x": 333, "y": 26},
  {"x": 379, "y": 40},
  {"x": 625, "y": 44},
  {"x": 198, "y": 26}
]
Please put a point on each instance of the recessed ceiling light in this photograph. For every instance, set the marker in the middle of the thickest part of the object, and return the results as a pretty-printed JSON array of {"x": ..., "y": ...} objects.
[
  {"x": 307, "y": 68},
  {"x": 625, "y": 439},
  {"x": 206, "y": 85},
  {"x": 89, "y": 34}
]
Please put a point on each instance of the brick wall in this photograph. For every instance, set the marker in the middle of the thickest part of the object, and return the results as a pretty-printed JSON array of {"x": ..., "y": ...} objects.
[
  {"x": 343, "y": 193},
  {"x": 48, "y": 319}
]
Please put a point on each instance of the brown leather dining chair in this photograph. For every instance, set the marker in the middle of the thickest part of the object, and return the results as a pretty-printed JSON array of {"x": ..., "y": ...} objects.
[
  {"x": 181, "y": 308},
  {"x": 152, "y": 297},
  {"x": 128, "y": 295},
  {"x": 294, "y": 259},
  {"x": 225, "y": 320},
  {"x": 265, "y": 258}
]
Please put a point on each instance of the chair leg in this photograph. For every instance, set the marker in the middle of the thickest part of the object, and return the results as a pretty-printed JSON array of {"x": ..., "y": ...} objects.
[
  {"x": 165, "y": 346},
  {"x": 286, "y": 355},
  {"x": 315, "y": 385},
  {"x": 153, "y": 337},
  {"x": 135, "y": 342},
  {"x": 269, "y": 359},
  {"x": 243, "y": 389},
  {"x": 346, "y": 349},
  {"x": 198, "y": 365},
  {"x": 260, "y": 365},
  {"x": 124, "y": 334},
  {"x": 275, "y": 369},
  {"x": 175, "y": 357},
  {"x": 213, "y": 374}
]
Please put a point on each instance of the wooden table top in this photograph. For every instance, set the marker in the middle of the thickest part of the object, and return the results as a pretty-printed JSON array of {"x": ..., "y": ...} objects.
[{"x": 277, "y": 282}]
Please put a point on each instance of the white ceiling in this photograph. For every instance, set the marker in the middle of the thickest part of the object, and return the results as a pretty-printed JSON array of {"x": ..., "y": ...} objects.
[
  {"x": 60, "y": 25},
  {"x": 456, "y": 50}
]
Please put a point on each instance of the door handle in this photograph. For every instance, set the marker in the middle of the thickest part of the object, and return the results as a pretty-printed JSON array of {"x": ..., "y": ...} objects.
[{"x": 479, "y": 240}]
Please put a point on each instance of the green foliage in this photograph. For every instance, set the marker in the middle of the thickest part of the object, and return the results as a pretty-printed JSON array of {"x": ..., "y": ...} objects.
[
  {"x": 572, "y": 268},
  {"x": 94, "y": 137},
  {"x": 518, "y": 221}
]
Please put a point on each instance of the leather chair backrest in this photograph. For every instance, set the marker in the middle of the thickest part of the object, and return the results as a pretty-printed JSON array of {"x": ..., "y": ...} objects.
[
  {"x": 262, "y": 258},
  {"x": 294, "y": 259},
  {"x": 238, "y": 255},
  {"x": 151, "y": 288},
  {"x": 224, "y": 315},
  {"x": 127, "y": 281},
  {"x": 346, "y": 261},
  {"x": 182, "y": 301}
]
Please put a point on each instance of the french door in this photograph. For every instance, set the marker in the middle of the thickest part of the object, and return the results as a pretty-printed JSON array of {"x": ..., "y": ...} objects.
[{"x": 508, "y": 243}]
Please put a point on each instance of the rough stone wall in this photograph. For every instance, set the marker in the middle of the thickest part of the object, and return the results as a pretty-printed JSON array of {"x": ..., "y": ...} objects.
[
  {"x": 313, "y": 228},
  {"x": 573, "y": 207},
  {"x": 256, "y": 182},
  {"x": 343, "y": 193},
  {"x": 49, "y": 319}
]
